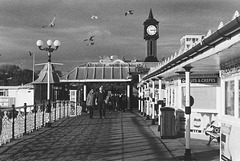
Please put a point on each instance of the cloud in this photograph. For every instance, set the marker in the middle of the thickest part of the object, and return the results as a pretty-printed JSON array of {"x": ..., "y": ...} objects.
[
  {"x": 115, "y": 33},
  {"x": 99, "y": 33}
]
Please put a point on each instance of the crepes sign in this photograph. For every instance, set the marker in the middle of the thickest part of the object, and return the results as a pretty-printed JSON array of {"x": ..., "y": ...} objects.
[{"x": 208, "y": 80}]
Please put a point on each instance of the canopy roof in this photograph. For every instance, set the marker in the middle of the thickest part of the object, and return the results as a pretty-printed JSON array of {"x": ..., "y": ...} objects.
[
  {"x": 97, "y": 72},
  {"x": 43, "y": 75}
]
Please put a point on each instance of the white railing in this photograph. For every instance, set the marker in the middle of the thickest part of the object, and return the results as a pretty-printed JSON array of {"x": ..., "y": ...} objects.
[{"x": 17, "y": 121}]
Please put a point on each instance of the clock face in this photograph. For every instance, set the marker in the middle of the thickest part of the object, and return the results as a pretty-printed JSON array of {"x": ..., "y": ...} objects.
[{"x": 151, "y": 30}]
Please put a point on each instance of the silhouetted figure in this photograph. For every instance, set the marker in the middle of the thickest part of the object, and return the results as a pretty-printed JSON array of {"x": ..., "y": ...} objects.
[
  {"x": 118, "y": 102},
  {"x": 90, "y": 102},
  {"x": 124, "y": 102},
  {"x": 101, "y": 98}
]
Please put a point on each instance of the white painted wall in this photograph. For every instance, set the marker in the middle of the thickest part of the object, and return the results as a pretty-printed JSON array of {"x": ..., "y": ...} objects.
[{"x": 18, "y": 96}]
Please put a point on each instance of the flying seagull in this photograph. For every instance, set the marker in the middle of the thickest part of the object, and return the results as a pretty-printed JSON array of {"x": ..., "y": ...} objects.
[
  {"x": 130, "y": 12},
  {"x": 92, "y": 43},
  {"x": 52, "y": 24},
  {"x": 94, "y": 17},
  {"x": 90, "y": 39}
]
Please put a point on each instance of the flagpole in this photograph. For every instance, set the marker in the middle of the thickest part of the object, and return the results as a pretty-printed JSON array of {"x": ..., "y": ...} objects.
[
  {"x": 33, "y": 67},
  {"x": 33, "y": 64}
]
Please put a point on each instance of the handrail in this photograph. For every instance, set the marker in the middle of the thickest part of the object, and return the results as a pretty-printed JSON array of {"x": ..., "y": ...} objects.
[{"x": 18, "y": 121}]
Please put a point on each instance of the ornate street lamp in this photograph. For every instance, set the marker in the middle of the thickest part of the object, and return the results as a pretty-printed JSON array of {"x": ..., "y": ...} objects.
[{"x": 49, "y": 49}]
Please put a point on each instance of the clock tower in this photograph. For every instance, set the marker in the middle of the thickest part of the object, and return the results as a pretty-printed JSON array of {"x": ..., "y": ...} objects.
[{"x": 151, "y": 34}]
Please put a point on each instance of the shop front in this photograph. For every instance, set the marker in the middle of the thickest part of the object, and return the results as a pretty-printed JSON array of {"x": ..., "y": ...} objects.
[
  {"x": 203, "y": 87},
  {"x": 204, "y": 83},
  {"x": 230, "y": 118}
]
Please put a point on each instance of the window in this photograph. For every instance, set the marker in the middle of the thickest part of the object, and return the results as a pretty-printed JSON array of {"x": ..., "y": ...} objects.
[
  {"x": 200, "y": 95},
  {"x": 193, "y": 40},
  {"x": 239, "y": 99},
  {"x": 3, "y": 92},
  {"x": 229, "y": 98},
  {"x": 173, "y": 97}
]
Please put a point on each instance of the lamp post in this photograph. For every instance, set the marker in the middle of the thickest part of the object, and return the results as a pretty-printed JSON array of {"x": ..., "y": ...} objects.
[
  {"x": 49, "y": 49},
  {"x": 188, "y": 105}
]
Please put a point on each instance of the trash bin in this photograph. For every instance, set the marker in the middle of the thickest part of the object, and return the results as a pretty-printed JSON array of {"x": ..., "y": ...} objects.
[
  {"x": 1, "y": 116},
  {"x": 167, "y": 121},
  {"x": 180, "y": 123}
]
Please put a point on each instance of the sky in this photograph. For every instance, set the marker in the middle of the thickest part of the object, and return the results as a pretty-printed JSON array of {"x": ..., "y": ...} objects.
[{"x": 21, "y": 24}]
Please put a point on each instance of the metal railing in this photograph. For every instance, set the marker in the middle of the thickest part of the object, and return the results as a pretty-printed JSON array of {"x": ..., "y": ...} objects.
[{"x": 18, "y": 121}]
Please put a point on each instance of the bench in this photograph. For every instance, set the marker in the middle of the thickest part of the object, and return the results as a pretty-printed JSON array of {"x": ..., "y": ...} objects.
[{"x": 213, "y": 134}]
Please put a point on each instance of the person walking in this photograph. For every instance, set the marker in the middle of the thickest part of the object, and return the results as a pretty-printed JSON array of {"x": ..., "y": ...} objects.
[
  {"x": 90, "y": 102},
  {"x": 123, "y": 102},
  {"x": 117, "y": 99},
  {"x": 110, "y": 103},
  {"x": 114, "y": 101},
  {"x": 101, "y": 98}
]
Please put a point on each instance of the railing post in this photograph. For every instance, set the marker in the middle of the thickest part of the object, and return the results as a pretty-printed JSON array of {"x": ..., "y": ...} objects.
[
  {"x": 60, "y": 110},
  {"x": 13, "y": 122},
  {"x": 63, "y": 103},
  {"x": 67, "y": 109},
  {"x": 35, "y": 116},
  {"x": 43, "y": 110},
  {"x": 1, "y": 116},
  {"x": 25, "y": 118},
  {"x": 76, "y": 108},
  {"x": 54, "y": 106}
]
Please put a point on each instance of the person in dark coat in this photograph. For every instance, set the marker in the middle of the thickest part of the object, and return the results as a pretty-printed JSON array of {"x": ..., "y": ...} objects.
[
  {"x": 117, "y": 99},
  {"x": 124, "y": 102},
  {"x": 90, "y": 102},
  {"x": 110, "y": 103},
  {"x": 101, "y": 98},
  {"x": 120, "y": 102},
  {"x": 114, "y": 101}
]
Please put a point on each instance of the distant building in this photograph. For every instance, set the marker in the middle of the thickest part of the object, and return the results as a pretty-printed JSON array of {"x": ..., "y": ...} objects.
[
  {"x": 189, "y": 41},
  {"x": 108, "y": 60},
  {"x": 16, "y": 95}
]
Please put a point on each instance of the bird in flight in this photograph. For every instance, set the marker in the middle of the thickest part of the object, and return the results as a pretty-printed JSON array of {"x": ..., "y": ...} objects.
[
  {"x": 52, "y": 24},
  {"x": 92, "y": 43},
  {"x": 94, "y": 17},
  {"x": 90, "y": 39},
  {"x": 130, "y": 12}
]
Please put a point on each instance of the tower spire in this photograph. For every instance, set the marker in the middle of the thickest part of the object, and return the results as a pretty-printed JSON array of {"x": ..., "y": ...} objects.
[
  {"x": 150, "y": 14},
  {"x": 151, "y": 35}
]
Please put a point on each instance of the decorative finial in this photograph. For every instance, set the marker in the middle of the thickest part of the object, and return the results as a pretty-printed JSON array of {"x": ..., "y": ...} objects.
[{"x": 150, "y": 14}]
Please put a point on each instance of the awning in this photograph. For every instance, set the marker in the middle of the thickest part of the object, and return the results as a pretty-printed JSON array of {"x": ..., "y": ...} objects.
[
  {"x": 43, "y": 75},
  {"x": 97, "y": 72}
]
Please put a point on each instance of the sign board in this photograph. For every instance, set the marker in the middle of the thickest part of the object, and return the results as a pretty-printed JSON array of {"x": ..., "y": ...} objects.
[
  {"x": 7, "y": 101},
  {"x": 201, "y": 80},
  {"x": 191, "y": 101}
]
